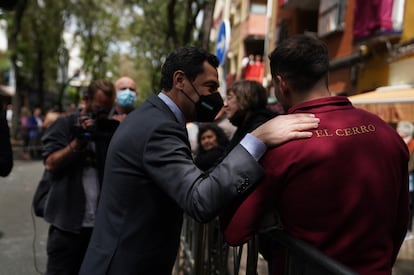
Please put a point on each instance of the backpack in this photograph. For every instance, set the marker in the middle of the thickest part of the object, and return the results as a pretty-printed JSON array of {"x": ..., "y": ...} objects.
[
  {"x": 40, "y": 195},
  {"x": 43, "y": 187}
]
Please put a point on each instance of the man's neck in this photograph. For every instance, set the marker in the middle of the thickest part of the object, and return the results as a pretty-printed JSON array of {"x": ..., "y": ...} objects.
[{"x": 318, "y": 91}]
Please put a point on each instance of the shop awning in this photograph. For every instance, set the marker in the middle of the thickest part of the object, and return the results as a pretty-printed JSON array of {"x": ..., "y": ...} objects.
[{"x": 391, "y": 105}]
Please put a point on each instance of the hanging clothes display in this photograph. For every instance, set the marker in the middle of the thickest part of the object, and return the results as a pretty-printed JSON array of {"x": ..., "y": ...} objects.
[{"x": 377, "y": 16}]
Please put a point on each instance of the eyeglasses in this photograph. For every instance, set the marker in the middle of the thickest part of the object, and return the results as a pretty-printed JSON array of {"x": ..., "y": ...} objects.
[{"x": 230, "y": 97}]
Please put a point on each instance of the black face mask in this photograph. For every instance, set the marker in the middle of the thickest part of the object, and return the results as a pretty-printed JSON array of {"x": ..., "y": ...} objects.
[
  {"x": 207, "y": 106},
  {"x": 238, "y": 118}
]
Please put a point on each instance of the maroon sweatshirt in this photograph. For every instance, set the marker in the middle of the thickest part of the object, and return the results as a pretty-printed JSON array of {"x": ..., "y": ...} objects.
[{"x": 344, "y": 191}]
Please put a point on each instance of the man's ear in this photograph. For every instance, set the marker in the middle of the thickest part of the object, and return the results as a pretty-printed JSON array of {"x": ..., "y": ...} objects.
[
  {"x": 284, "y": 87},
  {"x": 178, "y": 79}
]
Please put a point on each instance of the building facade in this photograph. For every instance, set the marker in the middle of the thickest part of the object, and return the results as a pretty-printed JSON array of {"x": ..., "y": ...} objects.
[{"x": 371, "y": 43}]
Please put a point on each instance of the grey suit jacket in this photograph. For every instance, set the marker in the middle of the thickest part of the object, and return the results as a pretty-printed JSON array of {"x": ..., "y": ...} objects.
[{"x": 150, "y": 179}]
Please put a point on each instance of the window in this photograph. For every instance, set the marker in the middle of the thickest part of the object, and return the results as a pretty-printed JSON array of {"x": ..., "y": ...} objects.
[
  {"x": 258, "y": 8},
  {"x": 331, "y": 16}
]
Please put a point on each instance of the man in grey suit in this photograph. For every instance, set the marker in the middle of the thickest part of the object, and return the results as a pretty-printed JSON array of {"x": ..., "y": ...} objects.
[{"x": 150, "y": 177}]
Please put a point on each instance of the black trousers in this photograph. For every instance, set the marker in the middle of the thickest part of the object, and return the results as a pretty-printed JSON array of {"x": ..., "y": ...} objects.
[{"x": 65, "y": 251}]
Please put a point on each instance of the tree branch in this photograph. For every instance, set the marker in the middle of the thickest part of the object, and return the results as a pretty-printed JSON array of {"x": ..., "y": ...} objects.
[{"x": 171, "y": 32}]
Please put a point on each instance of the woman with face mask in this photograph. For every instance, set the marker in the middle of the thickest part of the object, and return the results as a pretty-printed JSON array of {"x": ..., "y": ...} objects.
[{"x": 245, "y": 107}]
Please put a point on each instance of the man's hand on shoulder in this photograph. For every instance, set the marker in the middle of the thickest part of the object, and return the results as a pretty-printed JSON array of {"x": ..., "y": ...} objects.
[{"x": 286, "y": 127}]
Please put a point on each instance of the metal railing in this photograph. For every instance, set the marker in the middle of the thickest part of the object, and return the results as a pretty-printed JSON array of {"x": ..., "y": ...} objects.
[
  {"x": 304, "y": 259},
  {"x": 203, "y": 251}
]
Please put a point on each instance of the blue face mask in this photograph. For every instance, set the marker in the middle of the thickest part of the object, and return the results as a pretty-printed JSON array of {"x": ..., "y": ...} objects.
[{"x": 126, "y": 98}]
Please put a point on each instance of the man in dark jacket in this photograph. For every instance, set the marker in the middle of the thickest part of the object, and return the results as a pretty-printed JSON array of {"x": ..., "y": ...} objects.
[
  {"x": 150, "y": 176},
  {"x": 74, "y": 152}
]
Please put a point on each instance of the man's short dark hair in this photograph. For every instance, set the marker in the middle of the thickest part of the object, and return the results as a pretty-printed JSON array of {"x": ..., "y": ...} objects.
[
  {"x": 106, "y": 86},
  {"x": 301, "y": 60},
  {"x": 188, "y": 59}
]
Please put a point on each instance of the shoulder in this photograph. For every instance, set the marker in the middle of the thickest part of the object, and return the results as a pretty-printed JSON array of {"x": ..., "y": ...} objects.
[
  {"x": 65, "y": 121},
  {"x": 148, "y": 126},
  {"x": 260, "y": 117},
  {"x": 61, "y": 128},
  {"x": 50, "y": 118}
]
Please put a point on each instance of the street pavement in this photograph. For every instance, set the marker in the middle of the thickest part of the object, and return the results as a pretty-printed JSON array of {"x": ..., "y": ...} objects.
[
  {"x": 23, "y": 244},
  {"x": 405, "y": 259}
]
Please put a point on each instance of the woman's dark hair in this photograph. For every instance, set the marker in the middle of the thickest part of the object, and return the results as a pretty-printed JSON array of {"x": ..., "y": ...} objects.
[
  {"x": 222, "y": 139},
  {"x": 188, "y": 59},
  {"x": 250, "y": 95}
]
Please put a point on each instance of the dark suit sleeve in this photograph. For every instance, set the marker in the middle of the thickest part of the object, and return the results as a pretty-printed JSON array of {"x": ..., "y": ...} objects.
[
  {"x": 6, "y": 153},
  {"x": 208, "y": 159},
  {"x": 167, "y": 159},
  {"x": 245, "y": 219}
]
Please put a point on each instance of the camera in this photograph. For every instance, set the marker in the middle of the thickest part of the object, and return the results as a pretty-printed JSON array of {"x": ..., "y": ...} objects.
[
  {"x": 84, "y": 133},
  {"x": 100, "y": 128}
]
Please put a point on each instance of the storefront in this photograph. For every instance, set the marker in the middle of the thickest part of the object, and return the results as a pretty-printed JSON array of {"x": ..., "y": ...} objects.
[{"x": 391, "y": 105}]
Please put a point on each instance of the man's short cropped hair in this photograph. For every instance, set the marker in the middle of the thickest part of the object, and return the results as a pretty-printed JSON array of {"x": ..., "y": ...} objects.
[
  {"x": 188, "y": 59},
  {"x": 301, "y": 60},
  {"x": 106, "y": 86}
]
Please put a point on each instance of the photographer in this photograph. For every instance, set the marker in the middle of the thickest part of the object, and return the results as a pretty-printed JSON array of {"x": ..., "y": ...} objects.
[{"x": 74, "y": 149}]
